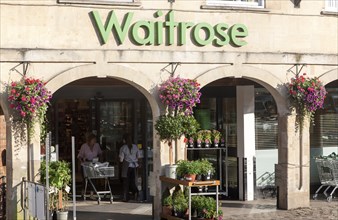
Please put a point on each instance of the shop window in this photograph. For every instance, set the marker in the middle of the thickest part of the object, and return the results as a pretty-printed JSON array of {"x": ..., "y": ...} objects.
[
  {"x": 103, "y": 2},
  {"x": 237, "y": 3},
  {"x": 324, "y": 132},
  {"x": 331, "y": 5},
  {"x": 266, "y": 120}
]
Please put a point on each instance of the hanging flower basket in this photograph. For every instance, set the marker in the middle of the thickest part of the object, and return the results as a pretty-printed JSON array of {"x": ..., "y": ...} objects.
[
  {"x": 306, "y": 96},
  {"x": 180, "y": 95},
  {"x": 30, "y": 99}
]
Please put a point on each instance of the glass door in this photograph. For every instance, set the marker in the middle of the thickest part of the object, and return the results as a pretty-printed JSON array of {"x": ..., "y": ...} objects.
[
  {"x": 229, "y": 161},
  {"x": 110, "y": 119}
]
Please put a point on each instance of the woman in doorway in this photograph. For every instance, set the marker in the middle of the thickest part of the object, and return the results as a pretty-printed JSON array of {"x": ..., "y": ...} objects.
[
  {"x": 90, "y": 150},
  {"x": 129, "y": 157}
]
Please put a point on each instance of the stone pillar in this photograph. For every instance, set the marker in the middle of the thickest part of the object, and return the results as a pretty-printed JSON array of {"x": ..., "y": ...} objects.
[
  {"x": 160, "y": 158},
  {"x": 17, "y": 168},
  {"x": 23, "y": 161},
  {"x": 246, "y": 140},
  {"x": 34, "y": 151},
  {"x": 292, "y": 170}
]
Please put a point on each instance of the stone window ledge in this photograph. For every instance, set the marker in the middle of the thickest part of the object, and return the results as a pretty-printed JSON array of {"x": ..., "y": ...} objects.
[
  {"x": 234, "y": 8},
  {"x": 332, "y": 13},
  {"x": 94, "y": 2}
]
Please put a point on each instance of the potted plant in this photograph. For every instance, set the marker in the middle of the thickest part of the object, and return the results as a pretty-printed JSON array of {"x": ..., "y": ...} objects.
[
  {"x": 207, "y": 138},
  {"x": 188, "y": 169},
  {"x": 181, "y": 168},
  {"x": 59, "y": 179},
  {"x": 222, "y": 142},
  {"x": 190, "y": 128},
  {"x": 167, "y": 202},
  {"x": 180, "y": 204},
  {"x": 209, "y": 208},
  {"x": 216, "y": 136},
  {"x": 206, "y": 169},
  {"x": 199, "y": 138},
  {"x": 197, "y": 206},
  {"x": 192, "y": 170},
  {"x": 191, "y": 142},
  {"x": 170, "y": 128}
]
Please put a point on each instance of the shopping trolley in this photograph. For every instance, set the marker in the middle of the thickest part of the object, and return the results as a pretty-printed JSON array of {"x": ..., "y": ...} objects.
[
  {"x": 328, "y": 175},
  {"x": 98, "y": 171},
  {"x": 265, "y": 184}
]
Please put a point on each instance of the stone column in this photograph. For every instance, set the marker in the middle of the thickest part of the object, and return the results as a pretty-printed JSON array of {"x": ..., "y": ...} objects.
[
  {"x": 17, "y": 168},
  {"x": 292, "y": 170},
  {"x": 23, "y": 161},
  {"x": 160, "y": 158},
  {"x": 246, "y": 140}
]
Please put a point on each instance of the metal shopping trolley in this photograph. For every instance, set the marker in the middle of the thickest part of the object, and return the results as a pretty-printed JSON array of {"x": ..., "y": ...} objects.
[
  {"x": 328, "y": 175},
  {"x": 98, "y": 171}
]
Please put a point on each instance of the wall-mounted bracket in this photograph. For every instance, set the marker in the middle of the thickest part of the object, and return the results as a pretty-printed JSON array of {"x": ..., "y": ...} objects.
[
  {"x": 296, "y": 69},
  {"x": 24, "y": 68},
  {"x": 172, "y": 70}
]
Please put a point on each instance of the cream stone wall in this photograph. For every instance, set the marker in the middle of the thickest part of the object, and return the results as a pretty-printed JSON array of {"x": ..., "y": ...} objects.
[{"x": 60, "y": 44}]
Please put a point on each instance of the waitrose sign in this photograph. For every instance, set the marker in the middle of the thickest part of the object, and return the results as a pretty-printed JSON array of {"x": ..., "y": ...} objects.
[{"x": 164, "y": 30}]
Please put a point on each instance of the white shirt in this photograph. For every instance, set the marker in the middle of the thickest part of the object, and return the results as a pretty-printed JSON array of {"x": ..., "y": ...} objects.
[{"x": 130, "y": 156}]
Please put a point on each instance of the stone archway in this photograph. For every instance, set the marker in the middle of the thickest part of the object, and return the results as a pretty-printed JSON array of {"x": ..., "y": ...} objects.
[
  {"x": 329, "y": 76},
  {"x": 260, "y": 76},
  {"x": 246, "y": 121},
  {"x": 291, "y": 182},
  {"x": 136, "y": 79},
  {"x": 123, "y": 73}
]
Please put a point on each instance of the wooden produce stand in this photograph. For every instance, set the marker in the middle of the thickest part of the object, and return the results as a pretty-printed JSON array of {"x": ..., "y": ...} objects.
[{"x": 190, "y": 185}]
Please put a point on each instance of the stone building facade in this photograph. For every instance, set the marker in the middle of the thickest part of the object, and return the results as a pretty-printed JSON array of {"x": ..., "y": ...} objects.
[{"x": 130, "y": 41}]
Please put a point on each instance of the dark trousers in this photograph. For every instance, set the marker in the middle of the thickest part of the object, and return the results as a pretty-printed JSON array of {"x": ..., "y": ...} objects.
[{"x": 129, "y": 183}]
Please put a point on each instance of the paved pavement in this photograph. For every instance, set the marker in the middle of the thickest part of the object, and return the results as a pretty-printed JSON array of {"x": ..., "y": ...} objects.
[{"x": 264, "y": 209}]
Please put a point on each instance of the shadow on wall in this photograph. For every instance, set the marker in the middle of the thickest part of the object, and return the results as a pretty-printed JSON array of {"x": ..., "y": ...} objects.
[{"x": 3, "y": 158}]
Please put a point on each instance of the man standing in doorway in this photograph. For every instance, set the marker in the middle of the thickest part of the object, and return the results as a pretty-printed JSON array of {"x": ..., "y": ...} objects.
[{"x": 129, "y": 157}]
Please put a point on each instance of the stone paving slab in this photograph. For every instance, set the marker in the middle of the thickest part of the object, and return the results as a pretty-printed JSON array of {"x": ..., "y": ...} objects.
[{"x": 264, "y": 209}]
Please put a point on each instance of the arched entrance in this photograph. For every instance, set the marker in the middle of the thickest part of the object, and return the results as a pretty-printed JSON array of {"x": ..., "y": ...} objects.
[
  {"x": 246, "y": 108},
  {"x": 108, "y": 108},
  {"x": 135, "y": 80},
  {"x": 246, "y": 114},
  {"x": 324, "y": 134}
]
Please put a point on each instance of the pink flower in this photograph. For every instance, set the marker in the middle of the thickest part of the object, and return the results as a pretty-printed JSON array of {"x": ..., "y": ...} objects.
[
  {"x": 33, "y": 100},
  {"x": 23, "y": 114}
]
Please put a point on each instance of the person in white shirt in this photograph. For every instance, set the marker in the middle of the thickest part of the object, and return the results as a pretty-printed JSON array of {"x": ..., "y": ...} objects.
[{"x": 129, "y": 157}]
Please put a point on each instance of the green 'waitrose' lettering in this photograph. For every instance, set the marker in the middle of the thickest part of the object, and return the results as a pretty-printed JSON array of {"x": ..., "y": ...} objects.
[{"x": 163, "y": 32}]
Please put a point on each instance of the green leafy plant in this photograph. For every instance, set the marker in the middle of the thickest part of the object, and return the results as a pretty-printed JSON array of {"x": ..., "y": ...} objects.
[
  {"x": 209, "y": 208},
  {"x": 206, "y": 167},
  {"x": 59, "y": 178},
  {"x": 169, "y": 127},
  {"x": 197, "y": 204},
  {"x": 199, "y": 137},
  {"x": 167, "y": 199},
  {"x": 216, "y": 136},
  {"x": 187, "y": 167},
  {"x": 206, "y": 136},
  {"x": 190, "y": 126},
  {"x": 180, "y": 202}
]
